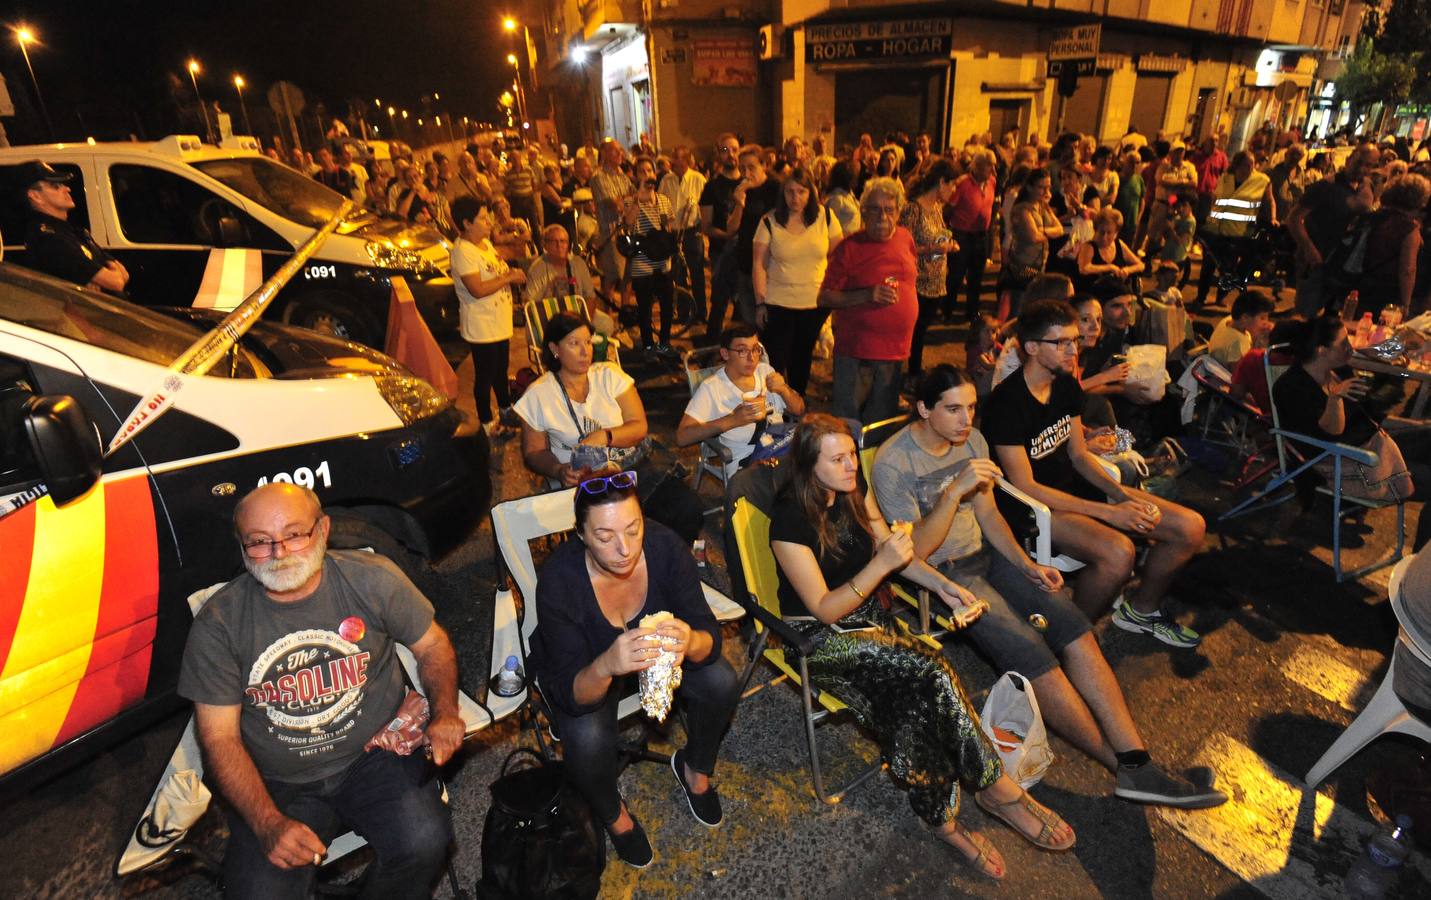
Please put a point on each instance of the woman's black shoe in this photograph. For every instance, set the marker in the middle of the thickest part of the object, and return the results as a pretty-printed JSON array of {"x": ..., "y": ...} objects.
[
  {"x": 633, "y": 847},
  {"x": 705, "y": 806}
]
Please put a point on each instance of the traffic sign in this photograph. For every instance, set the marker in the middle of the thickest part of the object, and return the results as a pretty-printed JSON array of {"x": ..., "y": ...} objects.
[{"x": 1085, "y": 66}]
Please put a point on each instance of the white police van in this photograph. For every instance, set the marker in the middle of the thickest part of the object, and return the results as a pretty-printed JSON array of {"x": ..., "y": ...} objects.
[
  {"x": 184, "y": 217},
  {"x": 98, "y": 555}
]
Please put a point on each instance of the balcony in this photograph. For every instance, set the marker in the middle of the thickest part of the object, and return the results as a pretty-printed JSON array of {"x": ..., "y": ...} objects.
[{"x": 598, "y": 14}]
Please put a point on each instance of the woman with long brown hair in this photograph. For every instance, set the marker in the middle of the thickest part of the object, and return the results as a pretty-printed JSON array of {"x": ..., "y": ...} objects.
[{"x": 834, "y": 553}]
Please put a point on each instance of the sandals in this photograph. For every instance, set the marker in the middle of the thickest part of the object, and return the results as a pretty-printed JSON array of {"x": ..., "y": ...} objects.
[
  {"x": 986, "y": 861},
  {"x": 1050, "y": 819}
]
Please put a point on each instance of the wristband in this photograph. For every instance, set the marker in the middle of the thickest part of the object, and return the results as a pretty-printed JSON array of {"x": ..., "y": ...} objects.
[{"x": 608, "y": 437}]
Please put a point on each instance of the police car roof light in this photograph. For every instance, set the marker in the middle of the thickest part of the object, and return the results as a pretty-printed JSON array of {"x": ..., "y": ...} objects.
[
  {"x": 178, "y": 144},
  {"x": 240, "y": 142}
]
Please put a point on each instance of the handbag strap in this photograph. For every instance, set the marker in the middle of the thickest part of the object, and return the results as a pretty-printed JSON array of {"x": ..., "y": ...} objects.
[{"x": 569, "y": 408}]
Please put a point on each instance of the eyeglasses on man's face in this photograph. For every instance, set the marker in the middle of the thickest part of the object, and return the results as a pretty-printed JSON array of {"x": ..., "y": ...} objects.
[
  {"x": 1063, "y": 345},
  {"x": 293, "y": 543},
  {"x": 751, "y": 352}
]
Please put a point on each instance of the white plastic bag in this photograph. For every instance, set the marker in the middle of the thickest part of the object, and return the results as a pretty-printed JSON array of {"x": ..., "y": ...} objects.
[
  {"x": 825, "y": 343},
  {"x": 1148, "y": 375},
  {"x": 1012, "y": 708}
]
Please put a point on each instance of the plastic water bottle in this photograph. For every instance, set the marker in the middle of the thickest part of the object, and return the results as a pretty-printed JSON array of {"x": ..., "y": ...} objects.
[
  {"x": 1364, "y": 328},
  {"x": 1349, "y": 307},
  {"x": 1378, "y": 869},
  {"x": 510, "y": 681}
]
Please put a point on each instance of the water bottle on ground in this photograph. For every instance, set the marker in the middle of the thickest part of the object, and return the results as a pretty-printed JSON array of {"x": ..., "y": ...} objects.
[
  {"x": 510, "y": 681},
  {"x": 1376, "y": 872}
]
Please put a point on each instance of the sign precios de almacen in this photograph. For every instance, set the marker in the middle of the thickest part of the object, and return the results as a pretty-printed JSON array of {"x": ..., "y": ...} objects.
[{"x": 894, "y": 39}]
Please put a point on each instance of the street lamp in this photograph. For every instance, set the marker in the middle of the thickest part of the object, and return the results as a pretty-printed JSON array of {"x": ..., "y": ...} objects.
[
  {"x": 194, "y": 79},
  {"x": 239, "y": 84},
  {"x": 25, "y": 36}
]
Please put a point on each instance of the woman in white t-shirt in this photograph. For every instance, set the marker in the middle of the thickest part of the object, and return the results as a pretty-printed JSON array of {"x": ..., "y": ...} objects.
[
  {"x": 582, "y": 417},
  {"x": 484, "y": 295},
  {"x": 792, "y": 244}
]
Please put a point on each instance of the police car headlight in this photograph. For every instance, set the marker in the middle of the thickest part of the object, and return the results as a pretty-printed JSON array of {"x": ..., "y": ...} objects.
[
  {"x": 389, "y": 256},
  {"x": 410, "y": 397}
]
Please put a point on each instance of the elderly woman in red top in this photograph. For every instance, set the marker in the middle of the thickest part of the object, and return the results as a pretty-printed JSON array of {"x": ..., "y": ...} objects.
[{"x": 870, "y": 284}]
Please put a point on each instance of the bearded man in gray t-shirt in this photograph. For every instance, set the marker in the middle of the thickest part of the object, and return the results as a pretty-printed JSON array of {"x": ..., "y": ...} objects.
[{"x": 292, "y": 668}]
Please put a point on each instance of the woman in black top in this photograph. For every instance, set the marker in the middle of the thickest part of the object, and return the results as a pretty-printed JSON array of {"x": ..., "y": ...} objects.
[
  {"x": 591, "y": 597},
  {"x": 1106, "y": 261},
  {"x": 834, "y": 552},
  {"x": 1312, "y": 398}
]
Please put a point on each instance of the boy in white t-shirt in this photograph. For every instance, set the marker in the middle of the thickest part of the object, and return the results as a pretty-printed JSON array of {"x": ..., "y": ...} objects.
[
  {"x": 737, "y": 402},
  {"x": 484, "y": 296}
]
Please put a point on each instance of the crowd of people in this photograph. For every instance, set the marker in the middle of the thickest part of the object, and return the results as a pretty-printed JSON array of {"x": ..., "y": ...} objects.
[{"x": 874, "y": 243}]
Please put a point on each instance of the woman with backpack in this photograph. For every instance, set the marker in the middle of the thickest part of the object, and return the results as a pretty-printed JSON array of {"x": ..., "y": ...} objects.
[
  {"x": 923, "y": 216},
  {"x": 1378, "y": 257},
  {"x": 791, "y": 246}
]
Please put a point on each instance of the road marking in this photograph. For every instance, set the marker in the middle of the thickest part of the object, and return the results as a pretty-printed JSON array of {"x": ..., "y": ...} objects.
[
  {"x": 1325, "y": 675},
  {"x": 1287, "y": 842}
]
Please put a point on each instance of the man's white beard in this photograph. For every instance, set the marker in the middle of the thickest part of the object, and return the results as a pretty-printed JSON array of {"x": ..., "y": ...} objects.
[{"x": 279, "y": 576}]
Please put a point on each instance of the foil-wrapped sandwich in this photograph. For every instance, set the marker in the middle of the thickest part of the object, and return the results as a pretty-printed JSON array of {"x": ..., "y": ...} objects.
[
  {"x": 658, "y": 683},
  {"x": 405, "y": 733}
]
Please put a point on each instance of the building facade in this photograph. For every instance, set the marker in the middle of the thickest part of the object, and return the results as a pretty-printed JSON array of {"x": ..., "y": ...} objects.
[{"x": 682, "y": 71}]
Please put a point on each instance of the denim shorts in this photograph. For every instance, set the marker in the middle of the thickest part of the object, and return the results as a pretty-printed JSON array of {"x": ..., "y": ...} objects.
[{"x": 1004, "y": 633}]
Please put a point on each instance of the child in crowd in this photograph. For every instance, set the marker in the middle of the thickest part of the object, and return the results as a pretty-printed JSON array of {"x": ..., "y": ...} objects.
[
  {"x": 981, "y": 351},
  {"x": 1166, "y": 275},
  {"x": 1178, "y": 236}
]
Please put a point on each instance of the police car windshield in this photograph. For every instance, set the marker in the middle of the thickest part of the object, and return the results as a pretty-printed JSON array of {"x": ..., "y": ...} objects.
[
  {"x": 276, "y": 187},
  {"x": 30, "y": 299}
]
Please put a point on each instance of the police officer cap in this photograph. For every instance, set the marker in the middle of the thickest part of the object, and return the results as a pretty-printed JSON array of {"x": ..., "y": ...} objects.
[{"x": 35, "y": 171}]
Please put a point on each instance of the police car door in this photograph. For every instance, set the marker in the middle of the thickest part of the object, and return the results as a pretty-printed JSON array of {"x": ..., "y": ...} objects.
[
  {"x": 164, "y": 227},
  {"x": 81, "y": 639},
  {"x": 15, "y": 209}
]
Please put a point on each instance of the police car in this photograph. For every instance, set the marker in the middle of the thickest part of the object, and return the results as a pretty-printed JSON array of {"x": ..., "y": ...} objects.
[
  {"x": 190, "y": 220},
  {"x": 98, "y": 555}
]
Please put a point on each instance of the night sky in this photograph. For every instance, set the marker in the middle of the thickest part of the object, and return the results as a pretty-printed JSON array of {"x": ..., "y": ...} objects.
[{"x": 109, "y": 68}]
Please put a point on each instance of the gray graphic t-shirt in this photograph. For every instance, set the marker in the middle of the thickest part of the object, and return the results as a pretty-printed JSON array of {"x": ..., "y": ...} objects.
[
  {"x": 908, "y": 482},
  {"x": 315, "y": 678}
]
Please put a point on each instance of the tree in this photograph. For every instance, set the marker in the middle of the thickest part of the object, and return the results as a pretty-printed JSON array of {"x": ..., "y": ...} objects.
[
  {"x": 1403, "y": 31},
  {"x": 1371, "y": 76}
]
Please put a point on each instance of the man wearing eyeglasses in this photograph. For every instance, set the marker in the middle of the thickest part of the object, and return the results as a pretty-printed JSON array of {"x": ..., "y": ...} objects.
[
  {"x": 1033, "y": 420},
  {"x": 716, "y": 203},
  {"x": 293, "y": 668},
  {"x": 736, "y": 403}
]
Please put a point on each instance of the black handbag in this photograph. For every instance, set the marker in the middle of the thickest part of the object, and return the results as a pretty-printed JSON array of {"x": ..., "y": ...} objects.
[{"x": 541, "y": 841}]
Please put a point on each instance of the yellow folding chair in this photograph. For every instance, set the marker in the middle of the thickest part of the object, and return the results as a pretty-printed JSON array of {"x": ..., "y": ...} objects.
[{"x": 537, "y": 313}]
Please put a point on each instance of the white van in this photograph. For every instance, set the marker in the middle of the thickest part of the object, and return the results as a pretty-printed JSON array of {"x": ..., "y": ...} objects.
[
  {"x": 173, "y": 209},
  {"x": 98, "y": 555}
]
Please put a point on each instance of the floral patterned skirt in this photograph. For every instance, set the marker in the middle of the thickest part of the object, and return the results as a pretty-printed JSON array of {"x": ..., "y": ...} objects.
[{"x": 907, "y": 694}]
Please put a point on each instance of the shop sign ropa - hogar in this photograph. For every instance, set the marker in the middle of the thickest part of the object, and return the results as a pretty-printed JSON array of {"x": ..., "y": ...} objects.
[{"x": 896, "y": 39}]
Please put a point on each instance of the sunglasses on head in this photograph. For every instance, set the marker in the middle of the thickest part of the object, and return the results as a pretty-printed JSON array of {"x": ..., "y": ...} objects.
[{"x": 602, "y": 483}]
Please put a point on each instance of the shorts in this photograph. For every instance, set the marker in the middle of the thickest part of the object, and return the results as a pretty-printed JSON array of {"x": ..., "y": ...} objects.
[{"x": 1004, "y": 633}]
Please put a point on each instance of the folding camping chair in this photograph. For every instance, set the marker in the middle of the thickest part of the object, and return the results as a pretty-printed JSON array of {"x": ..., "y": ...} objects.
[
  {"x": 700, "y": 364},
  {"x": 1339, "y": 454},
  {"x": 537, "y": 313},
  {"x": 515, "y": 525}
]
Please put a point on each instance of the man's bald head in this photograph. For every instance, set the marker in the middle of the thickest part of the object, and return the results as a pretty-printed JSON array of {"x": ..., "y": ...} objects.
[{"x": 258, "y": 509}]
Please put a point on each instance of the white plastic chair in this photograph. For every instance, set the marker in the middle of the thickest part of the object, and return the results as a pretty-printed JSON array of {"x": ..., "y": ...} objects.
[
  {"x": 1385, "y": 713},
  {"x": 700, "y": 364}
]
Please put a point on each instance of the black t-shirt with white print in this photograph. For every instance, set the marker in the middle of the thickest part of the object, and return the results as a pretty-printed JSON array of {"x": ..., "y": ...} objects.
[{"x": 1013, "y": 417}]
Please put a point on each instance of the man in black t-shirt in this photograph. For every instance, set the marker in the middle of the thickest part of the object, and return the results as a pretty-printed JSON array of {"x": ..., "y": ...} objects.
[
  {"x": 716, "y": 203},
  {"x": 1319, "y": 220},
  {"x": 1033, "y": 420},
  {"x": 756, "y": 195}
]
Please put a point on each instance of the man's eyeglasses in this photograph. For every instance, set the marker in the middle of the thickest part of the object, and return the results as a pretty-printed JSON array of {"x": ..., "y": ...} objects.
[
  {"x": 293, "y": 543},
  {"x": 602, "y": 483},
  {"x": 1063, "y": 344},
  {"x": 747, "y": 352}
]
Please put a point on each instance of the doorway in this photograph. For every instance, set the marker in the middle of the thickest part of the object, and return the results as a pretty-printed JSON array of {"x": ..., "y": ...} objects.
[
  {"x": 885, "y": 100},
  {"x": 1006, "y": 116}
]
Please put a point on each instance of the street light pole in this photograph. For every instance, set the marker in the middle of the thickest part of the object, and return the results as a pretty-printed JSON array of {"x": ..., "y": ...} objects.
[
  {"x": 510, "y": 25},
  {"x": 25, "y": 37},
  {"x": 194, "y": 79},
  {"x": 239, "y": 83}
]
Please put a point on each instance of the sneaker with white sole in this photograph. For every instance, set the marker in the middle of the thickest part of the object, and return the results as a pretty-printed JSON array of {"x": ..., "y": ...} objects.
[
  {"x": 1159, "y": 624},
  {"x": 1149, "y": 784}
]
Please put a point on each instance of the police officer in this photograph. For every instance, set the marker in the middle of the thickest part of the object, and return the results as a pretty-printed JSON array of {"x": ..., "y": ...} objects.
[{"x": 55, "y": 246}]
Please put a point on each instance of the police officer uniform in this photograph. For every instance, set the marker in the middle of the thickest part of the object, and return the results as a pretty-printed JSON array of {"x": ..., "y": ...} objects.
[{"x": 55, "y": 246}]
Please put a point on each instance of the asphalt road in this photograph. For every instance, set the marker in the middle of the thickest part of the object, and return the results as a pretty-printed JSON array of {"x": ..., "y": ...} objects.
[{"x": 1287, "y": 660}]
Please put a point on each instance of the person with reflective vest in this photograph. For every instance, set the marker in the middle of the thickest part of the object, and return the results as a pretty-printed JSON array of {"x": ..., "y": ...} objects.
[{"x": 1242, "y": 198}]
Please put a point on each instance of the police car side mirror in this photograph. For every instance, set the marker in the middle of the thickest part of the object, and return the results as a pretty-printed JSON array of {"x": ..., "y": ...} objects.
[{"x": 65, "y": 444}]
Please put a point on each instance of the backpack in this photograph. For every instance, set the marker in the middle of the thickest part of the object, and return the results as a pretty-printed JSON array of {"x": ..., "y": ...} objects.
[{"x": 540, "y": 841}]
